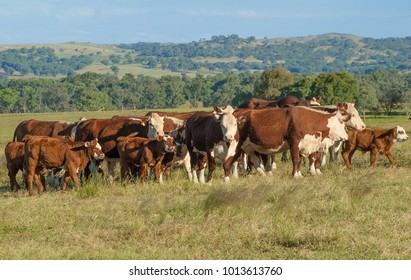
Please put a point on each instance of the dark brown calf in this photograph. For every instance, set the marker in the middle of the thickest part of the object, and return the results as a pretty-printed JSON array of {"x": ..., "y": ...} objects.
[
  {"x": 14, "y": 153},
  {"x": 143, "y": 153},
  {"x": 374, "y": 141}
]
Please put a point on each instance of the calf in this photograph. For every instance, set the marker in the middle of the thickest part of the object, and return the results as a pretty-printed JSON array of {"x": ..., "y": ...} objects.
[
  {"x": 14, "y": 153},
  {"x": 42, "y": 152},
  {"x": 374, "y": 141},
  {"x": 142, "y": 152}
]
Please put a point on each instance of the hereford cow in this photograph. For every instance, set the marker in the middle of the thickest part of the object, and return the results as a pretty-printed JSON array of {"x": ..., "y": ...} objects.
[
  {"x": 42, "y": 152},
  {"x": 374, "y": 141},
  {"x": 300, "y": 129},
  {"x": 210, "y": 135},
  {"x": 143, "y": 153},
  {"x": 288, "y": 101}
]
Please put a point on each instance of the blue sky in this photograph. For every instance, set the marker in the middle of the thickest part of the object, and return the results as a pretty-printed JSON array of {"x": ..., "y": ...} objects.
[{"x": 130, "y": 21}]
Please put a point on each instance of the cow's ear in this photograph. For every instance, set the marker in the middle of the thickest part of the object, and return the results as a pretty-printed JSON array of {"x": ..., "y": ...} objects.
[
  {"x": 87, "y": 144},
  {"x": 217, "y": 113}
]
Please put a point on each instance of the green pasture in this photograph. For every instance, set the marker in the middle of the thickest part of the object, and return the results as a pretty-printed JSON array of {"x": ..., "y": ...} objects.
[{"x": 360, "y": 214}]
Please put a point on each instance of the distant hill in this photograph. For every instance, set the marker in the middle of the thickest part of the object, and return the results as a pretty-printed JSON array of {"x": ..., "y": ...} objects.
[{"x": 306, "y": 55}]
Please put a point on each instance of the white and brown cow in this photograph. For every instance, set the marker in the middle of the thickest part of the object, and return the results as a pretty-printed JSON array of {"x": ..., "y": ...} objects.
[
  {"x": 274, "y": 130},
  {"x": 374, "y": 141},
  {"x": 353, "y": 122},
  {"x": 43, "y": 152},
  {"x": 209, "y": 135}
]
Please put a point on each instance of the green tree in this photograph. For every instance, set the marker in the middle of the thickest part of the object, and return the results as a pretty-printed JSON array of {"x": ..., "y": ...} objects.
[
  {"x": 115, "y": 69},
  {"x": 272, "y": 82},
  {"x": 391, "y": 88},
  {"x": 335, "y": 87},
  {"x": 8, "y": 99}
]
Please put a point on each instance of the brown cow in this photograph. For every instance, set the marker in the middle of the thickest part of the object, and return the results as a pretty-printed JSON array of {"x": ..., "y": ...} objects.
[
  {"x": 143, "y": 153},
  {"x": 42, "y": 152},
  {"x": 56, "y": 129},
  {"x": 300, "y": 129},
  {"x": 288, "y": 101},
  {"x": 374, "y": 141}
]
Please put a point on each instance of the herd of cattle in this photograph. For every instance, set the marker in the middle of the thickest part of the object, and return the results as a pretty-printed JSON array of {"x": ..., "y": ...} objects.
[{"x": 251, "y": 134}]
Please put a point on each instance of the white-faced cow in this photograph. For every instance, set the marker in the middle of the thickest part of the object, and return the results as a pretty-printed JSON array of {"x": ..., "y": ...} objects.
[
  {"x": 300, "y": 129},
  {"x": 210, "y": 135},
  {"x": 374, "y": 141},
  {"x": 43, "y": 152}
]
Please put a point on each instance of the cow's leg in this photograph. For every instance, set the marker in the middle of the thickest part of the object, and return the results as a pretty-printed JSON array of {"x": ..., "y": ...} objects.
[
  {"x": 255, "y": 160},
  {"x": 39, "y": 183},
  {"x": 12, "y": 172},
  {"x": 234, "y": 169},
  {"x": 228, "y": 164},
  {"x": 143, "y": 172},
  {"x": 312, "y": 158},
  {"x": 211, "y": 166},
  {"x": 74, "y": 177},
  {"x": 31, "y": 168},
  {"x": 318, "y": 162},
  {"x": 111, "y": 166},
  {"x": 187, "y": 165},
  {"x": 390, "y": 158},
  {"x": 66, "y": 181},
  {"x": 202, "y": 165},
  {"x": 347, "y": 154},
  {"x": 157, "y": 172},
  {"x": 296, "y": 159},
  {"x": 373, "y": 157}
]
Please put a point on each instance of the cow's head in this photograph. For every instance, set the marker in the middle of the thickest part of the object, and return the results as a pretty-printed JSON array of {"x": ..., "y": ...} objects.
[
  {"x": 227, "y": 120},
  {"x": 350, "y": 116},
  {"x": 399, "y": 134},
  {"x": 155, "y": 126},
  {"x": 94, "y": 150},
  {"x": 336, "y": 125},
  {"x": 170, "y": 146}
]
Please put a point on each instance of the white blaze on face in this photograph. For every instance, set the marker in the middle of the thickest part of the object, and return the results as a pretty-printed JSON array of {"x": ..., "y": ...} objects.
[
  {"x": 355, "y": 122},
  {"x": 96, "y": 156},
  {"x": 155, "y": 126},
  {"x": 228, "y": 123},
  {"x": 337, "y": 129},
  {"x": 401, "y": 134}
]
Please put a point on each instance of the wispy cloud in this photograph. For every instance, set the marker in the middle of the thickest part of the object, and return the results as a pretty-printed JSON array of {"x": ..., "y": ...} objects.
[
  {"x": 118, "y": 12},
  {"x": 76, "y": 12},
  {"x": 205, "y": 12}
]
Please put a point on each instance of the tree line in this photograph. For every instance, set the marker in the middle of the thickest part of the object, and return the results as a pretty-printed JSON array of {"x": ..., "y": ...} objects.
[
  {"x": 40, "y": 61},
  {"x": 379, "y": 90}
]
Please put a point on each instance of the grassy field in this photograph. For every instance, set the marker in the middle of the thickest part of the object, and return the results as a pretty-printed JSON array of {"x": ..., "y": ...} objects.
[{"x": 361, "y": 214}]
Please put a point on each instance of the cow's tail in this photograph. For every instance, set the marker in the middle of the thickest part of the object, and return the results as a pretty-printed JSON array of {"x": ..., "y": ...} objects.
[{"x": 15, "y": 136}]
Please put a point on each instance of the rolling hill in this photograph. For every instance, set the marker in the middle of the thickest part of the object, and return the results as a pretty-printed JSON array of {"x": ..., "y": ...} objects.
[{"x": 220, "y": 54}]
